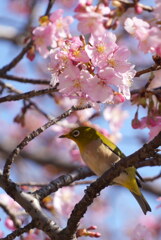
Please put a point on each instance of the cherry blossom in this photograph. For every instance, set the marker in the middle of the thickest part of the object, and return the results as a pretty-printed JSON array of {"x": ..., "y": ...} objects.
[
  {"x": 61, "y": 23},
  {"x": 98, "y": 90},
  {"x": 77, "y": 51},
  {"x": 44, "y": 39},
  {"x": 94, "y": 72},
  {"x": 69, "y": 80},
  {"x": 152, "y": 122},
  {"x": 91, "y": 18},
  {"x": 51, "y": 32},
  {"x": 148, "y": 36},
  {"x": 137, "y": 27},
  {"x": 100, "y": 47}
]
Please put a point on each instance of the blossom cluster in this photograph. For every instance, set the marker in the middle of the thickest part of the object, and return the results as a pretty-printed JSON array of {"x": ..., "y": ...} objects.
[
  {"x": 97, "y": 71},
  {"x": 148, "y": 35},
  {"x": 92, "y": 19},
  {"x": 151, "y": 100},
  {"x": 52, "y": 30}
]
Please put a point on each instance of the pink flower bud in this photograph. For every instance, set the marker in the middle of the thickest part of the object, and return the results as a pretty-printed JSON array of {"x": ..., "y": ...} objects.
[
  {"x": 136, "y": 123},
  {"x": 138, "y": 9},
  {"x": 9, "y": 224}
]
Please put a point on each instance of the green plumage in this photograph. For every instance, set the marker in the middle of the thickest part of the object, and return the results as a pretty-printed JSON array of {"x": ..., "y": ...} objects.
[{"x": 99, "y": 153}]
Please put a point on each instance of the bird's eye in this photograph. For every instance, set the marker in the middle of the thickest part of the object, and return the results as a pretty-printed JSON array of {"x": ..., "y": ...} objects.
[{"x": 76, "y": 133}]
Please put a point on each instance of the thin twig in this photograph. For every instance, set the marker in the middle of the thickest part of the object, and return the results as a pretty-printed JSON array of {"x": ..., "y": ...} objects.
[
  {"x": 12, "y": 89},
  {"x": 9, "y": 87},
  {"x": 28, "y": 95},
  {"x": 19, "y": 232},
  {"x": 50, "y": 4},
  {"x": 14, "y": 61},
  {"x": 147, "y": 70},
  {"x": 151, "y": 179},
  {"x": 10, "y": 214},
  {"x": 25, "y": 80}
]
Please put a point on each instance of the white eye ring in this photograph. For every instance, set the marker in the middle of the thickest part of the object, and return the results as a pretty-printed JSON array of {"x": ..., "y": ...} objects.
[{"x": 76, "y": 133}]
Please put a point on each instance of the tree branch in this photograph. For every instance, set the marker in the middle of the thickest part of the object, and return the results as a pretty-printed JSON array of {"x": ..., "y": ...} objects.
[
  {"x": 32, "y": 207},
  {"x": 14, "y": 62},
  {"x": 28, "y": 95},
  {"x": 19, "y": 232},
  {"x": 50, "y": 4},
  {"x": 147, "y": 70},
  {"x": 25, "y": 80},
  {"x": 10, "y": 214},
  {"x": 62, "y": 181}
]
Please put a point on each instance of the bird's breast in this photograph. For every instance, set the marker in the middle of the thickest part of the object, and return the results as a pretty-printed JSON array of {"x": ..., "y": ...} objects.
[{"x": 98, "y": 157}]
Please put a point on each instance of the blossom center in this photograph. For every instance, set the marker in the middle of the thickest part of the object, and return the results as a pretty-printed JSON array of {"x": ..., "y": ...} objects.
[
  {"x": 112, "y": 62},
  {"x": 101, "y": 48}
]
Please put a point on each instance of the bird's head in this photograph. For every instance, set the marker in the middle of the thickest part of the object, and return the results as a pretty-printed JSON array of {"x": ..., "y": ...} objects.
[{"x": 82, "y": 136}]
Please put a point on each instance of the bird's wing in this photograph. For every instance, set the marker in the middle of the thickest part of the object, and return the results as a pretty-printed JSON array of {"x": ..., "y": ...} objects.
[
  {"x": 111, "y": 145},
  {"x": 118, "y": 152}
]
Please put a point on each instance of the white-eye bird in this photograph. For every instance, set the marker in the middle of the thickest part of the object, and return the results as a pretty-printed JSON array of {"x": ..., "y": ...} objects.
[{"x": 99, "y": 153}]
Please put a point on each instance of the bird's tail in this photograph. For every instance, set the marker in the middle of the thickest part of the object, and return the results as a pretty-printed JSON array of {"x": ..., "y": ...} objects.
[{"x": 142, "y": 202}]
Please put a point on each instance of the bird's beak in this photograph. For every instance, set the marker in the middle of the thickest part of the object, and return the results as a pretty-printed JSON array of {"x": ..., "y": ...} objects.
[{"x": 64, "y": 136}]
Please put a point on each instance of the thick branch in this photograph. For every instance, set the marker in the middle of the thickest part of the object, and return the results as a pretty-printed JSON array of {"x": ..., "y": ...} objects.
[
  {"x": 62, "y": 181},
  {"x": 32, "y": 207}
]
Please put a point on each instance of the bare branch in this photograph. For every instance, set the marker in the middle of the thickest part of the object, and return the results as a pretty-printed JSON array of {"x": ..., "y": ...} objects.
[
  {"x": 28, "y": 95},
  {"x": 62, "y": 181},
  {"x": 151, "y": 179},
  {"x": 12, "y": 89},
  {"x": 19, "y": 232},
  {"x": 32, "y": 207},
  {"x": 14, "y": 62},
  {"x": 147, "y": 70},
  {"x": 152, "y": 189},
  {"x": 50, "y": 4},
  {"x": 25, "y": 80},
  {"x": 10, "y": 214}
]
